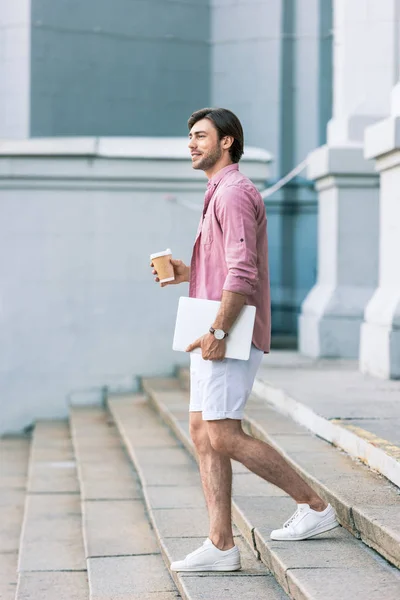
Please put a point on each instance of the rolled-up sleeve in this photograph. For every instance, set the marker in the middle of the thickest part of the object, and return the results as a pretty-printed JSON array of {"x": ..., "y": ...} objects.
[{"x": 236, "y": 213}]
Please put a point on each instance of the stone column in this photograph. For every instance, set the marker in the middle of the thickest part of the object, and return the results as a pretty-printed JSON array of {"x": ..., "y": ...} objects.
[
  {"x": 15, "y": 68},
  {"x": 348, "y": 192},
  {"x": 380, "y": 332}
]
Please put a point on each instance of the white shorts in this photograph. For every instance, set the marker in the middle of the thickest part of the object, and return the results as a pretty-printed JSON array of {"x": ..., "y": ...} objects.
[{"x": 220, "y": 389}]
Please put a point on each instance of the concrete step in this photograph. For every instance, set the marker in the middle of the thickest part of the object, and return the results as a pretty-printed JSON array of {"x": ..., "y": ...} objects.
[
  {"x": 122, "y": 556},
  {"x": 350, "y": 569},
  {"x": 14, "y": 456},
  {"x": 334, "y": 400},
  {"x": 51, "y": 555},
  {"x": 175, "y": 504},
  {"x": 367, "y": 504}
]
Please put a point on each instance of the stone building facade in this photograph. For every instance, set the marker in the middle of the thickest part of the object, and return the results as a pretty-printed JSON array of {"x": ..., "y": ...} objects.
[
  {"x": 123, "y": 68},
  {"x": 91, "y": 178}
]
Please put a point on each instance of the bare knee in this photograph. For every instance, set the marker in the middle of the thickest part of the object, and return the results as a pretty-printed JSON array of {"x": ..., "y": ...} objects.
[
  {"x": 199, "y": 434},
  {"x": 221, "y": 443},
  {"x": 226, "y": 437}
]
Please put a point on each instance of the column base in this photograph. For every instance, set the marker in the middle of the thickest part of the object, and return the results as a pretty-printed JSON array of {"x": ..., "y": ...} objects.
[
  {"x": 329, "y": 325},
  {"x": 380, "y": 351},
  {"x": 329, "y": 337},
  {"x": 348, "y": 201},
  {"x": 380, "y": 333}
]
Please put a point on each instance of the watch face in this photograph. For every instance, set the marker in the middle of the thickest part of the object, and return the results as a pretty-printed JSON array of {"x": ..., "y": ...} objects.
[{"x": 219, "y": 334}]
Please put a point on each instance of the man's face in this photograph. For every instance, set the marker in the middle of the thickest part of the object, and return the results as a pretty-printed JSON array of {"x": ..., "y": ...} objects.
[{"x": 205, "y": 147}]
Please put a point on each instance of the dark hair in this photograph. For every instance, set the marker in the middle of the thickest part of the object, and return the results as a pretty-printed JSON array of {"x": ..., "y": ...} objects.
[{"x": 226, "y": 123}]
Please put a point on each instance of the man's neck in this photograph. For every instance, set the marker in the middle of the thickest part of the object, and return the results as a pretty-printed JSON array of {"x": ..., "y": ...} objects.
[{"x": 221, "y": 164}]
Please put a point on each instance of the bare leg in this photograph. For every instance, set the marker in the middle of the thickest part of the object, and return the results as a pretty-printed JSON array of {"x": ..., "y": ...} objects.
[
  {"x": 227, "y": 437},
  {"x": 216, "y": 478}
]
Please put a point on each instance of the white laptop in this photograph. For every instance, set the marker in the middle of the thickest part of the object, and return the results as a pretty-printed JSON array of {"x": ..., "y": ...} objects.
[{"x": 196, "y": 316}]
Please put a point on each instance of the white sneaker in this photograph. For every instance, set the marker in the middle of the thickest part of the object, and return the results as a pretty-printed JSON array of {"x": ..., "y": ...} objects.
[
  {"x": 306, "y": 523},
  {"x": 209, "y": 558}
]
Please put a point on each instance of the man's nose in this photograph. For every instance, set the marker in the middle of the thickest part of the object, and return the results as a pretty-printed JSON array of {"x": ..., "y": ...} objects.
[{"x": 191, "y": 144}]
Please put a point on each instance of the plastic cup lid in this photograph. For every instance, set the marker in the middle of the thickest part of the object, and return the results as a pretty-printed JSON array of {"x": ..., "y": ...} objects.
[{"x": 163, "y": 253}]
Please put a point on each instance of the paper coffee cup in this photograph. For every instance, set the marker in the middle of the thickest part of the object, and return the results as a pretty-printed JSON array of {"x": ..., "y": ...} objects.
[{"x": 163, "y": 266}]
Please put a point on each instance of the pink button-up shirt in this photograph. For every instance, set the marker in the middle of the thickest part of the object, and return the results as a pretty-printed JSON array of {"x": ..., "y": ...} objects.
[{"x": 231, "y": 249}]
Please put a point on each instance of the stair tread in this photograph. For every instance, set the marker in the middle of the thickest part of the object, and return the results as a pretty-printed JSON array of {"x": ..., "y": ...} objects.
[
  {"x": 52, "y": 466},
  {"x": 14, "y": 456},
  {"x": 366, "y": 503},
  {"x": 130, "y": 577},
  {"x": 181, "y": 528},
  {"x": 8, "y": 575},
  {"x": 99, "y": 457},
  {"x": 232, "y": 586},
  {"x": 14, "y": 460},
  {"x": 334, "y": 389},
  {"x": 267, "y": 510},
  {"x": 122, "y": 556},
  {"x": 339, "y": 403},
  {"x": 302, "y": 443},
  {"x": 117, "y": 528},
  {"x": 49, "y": 585},
  {"x": 51, "y": 536}
]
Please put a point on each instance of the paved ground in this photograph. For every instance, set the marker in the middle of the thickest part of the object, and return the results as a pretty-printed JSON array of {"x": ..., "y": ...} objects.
[{"x": 336, "y": 390}]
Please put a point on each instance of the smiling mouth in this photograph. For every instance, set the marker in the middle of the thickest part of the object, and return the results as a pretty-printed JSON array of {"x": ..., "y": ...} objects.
[{"x": 195, "y": 154}]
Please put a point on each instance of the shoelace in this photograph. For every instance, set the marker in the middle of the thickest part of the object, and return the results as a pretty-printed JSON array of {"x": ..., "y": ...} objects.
[
  {"x": 198, "y": 550},
  {"x": 293, "y": 517}
]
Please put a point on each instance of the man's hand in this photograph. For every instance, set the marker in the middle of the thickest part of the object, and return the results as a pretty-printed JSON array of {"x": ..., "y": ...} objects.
[
  {"x": 181, "y": 273},
  {"x": 211, "y": 348}
]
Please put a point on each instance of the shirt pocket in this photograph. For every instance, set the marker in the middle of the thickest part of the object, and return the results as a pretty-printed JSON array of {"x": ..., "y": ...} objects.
[{"x": 206, "y": 231}]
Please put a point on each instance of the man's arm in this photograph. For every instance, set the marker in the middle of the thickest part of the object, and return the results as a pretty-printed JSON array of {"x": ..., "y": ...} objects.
[
  {"x": 236, "y": 213},
  {"x": 231, "y": 305},
  {"x": 237, "y": 216},
  {"x": 211, "y": 348}
]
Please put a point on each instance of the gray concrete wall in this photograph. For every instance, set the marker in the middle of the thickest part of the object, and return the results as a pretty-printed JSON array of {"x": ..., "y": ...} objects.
[
  {"x": 14, "y": 68},
  {"x": 79, "y": 309},
  {"x": 117, "y": 67},
  {"x": 246, "y": 66},
  {"x": 140, "y": 68}
]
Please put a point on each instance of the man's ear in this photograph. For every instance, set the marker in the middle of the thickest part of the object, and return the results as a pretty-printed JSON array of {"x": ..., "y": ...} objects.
[{"x": 227, "y": 142}]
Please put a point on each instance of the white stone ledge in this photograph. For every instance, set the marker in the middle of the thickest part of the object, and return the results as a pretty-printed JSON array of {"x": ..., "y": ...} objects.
[
  {"x": 382, "y": 138},
  {"x": 96, "y": 162},
  {"x": 157, "y": 148},
  {"x": 332, "y": 160},
  {"x": 341, "y": 181}
]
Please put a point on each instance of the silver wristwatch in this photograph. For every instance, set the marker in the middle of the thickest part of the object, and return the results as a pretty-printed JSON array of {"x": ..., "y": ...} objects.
[{"x": 219, "y": 334}]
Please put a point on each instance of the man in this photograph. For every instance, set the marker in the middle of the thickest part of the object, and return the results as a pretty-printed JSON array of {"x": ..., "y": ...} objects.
[{"x": 230, "y": 263}]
